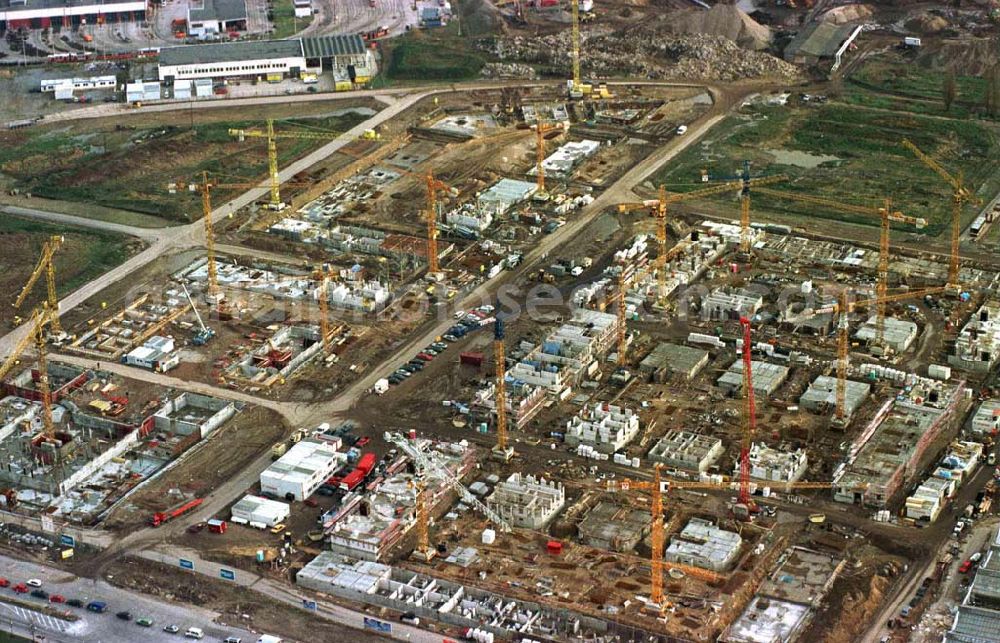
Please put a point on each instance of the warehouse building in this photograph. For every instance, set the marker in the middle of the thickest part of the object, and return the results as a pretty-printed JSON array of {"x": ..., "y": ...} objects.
[
  {"x": 986, "y": 420},
  {"x": 298, "y": 473},
  {"x": 898, "y": 333},
  {"x": 41, "y": 14},
  {"x": 527, "y": 502},
  {"x": 668, "y": 360},
  {"x": 345, "y": 56},
  {"x": 821, "y": 396},
  {"x": 686, "y": 450},
  {"x": 767, "y": 377},
  {"x": 256, "y": 511},
  {"x": 929, "y": 499},
  {"x": 703, "y": 544},
  {"x": 207, "y": 18}
]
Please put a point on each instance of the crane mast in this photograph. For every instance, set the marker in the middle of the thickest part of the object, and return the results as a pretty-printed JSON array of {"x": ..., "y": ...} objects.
[
  {"x": 501, "y": 451},
  {"x": 842, "y": 357},
  {"x": 960, "y": 196},
  {"x": 749, "y": 416},
  {"x": 45, "y": 264},
  {"x": 622, "y": 326},
  {"x": 433, "y": 185}
]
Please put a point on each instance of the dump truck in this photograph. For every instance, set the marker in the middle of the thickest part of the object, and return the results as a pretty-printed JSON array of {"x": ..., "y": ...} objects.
[{"x": 161, "y": 517}]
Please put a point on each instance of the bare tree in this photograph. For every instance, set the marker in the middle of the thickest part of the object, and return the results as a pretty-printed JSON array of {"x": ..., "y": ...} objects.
[{"x": 949, "y": 91}]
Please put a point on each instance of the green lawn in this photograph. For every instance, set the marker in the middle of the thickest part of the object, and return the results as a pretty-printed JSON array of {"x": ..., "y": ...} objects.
[
  {"x": 845, "y": 152},
  {"x": 130, "y": 169},
  {"x": 285, "y": 22},
  {"x": 432, "y": 54}
]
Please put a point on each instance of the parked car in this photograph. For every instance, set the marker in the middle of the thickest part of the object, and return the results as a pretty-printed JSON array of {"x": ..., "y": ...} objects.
[
  {"x": 20, "y": 588},
  {"x": 439, "y": 346},
  {"x": 97, "y": 606},
  {"x": 976, "y": 556},
  {"x": 57, "y": 598},
  {"x": 171, "y": 629},
  {"x": 277, "y": 529},
  {"x": 39, "y": 593},
  {"x": 74, "y": 602},
  {"x": 144, "y": 622},
  {"x": 233, "y": 639},
  {"x": 965, "y": 567},
  {"x": 4, "y": 582},
  {"x": 194, "y": 633},
  {"x": 424, "y": 357},
  {"x": 450, "y": 338},
  {"x": 33, "y": 582},
  {"x": 124, "y": 615},
  {"x": 362, "y": 441},
  {"x": 905, "y": 611}
]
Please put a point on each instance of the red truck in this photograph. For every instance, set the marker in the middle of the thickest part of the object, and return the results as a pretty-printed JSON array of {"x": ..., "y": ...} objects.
[
  {"x": 361, "y": 471},
  {"x": 217, "y": 526},
  {"x": 161, "y": 517}
]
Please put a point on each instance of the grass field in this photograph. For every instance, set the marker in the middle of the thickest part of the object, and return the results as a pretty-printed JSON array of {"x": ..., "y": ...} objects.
[
  {"x": 84, "y": 255},
  {"x": 285, "y": 22},
  {"x": 437, "y": 54},
  {"x": 845, "y": 152},
  {"x": 129, "y": 169}
]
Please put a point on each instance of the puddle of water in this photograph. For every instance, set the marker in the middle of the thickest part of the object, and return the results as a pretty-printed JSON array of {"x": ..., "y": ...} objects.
[{"x": 799, "y": 158}]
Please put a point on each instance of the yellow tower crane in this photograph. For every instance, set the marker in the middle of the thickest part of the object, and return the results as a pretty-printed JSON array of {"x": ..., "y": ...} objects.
[
  {"x": 45, "y": 264},
  {"x": 541, "y": 129},
  {"x": 745, "y": 182},
  {"x": 423, "y": 550},
  {"x": 322, "y": 275},
  {"x": 433, "y": 186},
  {"x": 576, "y": 89},
  {"x": 659, "y": 486},
  {"x": 36, "y": 335},
  {"x": 843, "y": 308},
  {"x": 886, "y": 215},
  {"x": 622, "y": 325},
  {"x": 501, "y": 451},
  {"x": 204, "y": 188},
  {"x": 272, "y": 137},
  {"x": 658, "y": 207},
  {"x": 960, "y": 196}
]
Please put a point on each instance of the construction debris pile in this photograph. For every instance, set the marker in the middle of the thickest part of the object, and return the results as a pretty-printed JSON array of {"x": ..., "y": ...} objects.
[{"x": 648, "y": 53}]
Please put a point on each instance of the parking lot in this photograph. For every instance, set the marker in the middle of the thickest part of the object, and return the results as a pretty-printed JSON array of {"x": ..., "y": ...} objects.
[{"x": 106, "y": 627}]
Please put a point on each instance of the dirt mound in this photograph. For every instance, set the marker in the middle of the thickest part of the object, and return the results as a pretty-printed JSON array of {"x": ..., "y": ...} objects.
[
  {"x": 724, "y": 20},
  {"x": 848, "y": 13},
  {"x": 927, "y": 24}
]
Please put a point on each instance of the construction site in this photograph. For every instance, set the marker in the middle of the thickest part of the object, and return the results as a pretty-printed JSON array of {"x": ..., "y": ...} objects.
[{"x": 578, "y": 358}]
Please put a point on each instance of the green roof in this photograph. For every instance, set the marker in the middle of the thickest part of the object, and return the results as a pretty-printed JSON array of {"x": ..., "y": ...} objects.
[
  {"x": 331, "y": 46},
  {"x": 821, "y": 40},
  {"x": 226, "y": 52}
]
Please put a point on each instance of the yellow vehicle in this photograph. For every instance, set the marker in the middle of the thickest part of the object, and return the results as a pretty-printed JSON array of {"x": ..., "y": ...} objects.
[{"x": 277, "y": 529}]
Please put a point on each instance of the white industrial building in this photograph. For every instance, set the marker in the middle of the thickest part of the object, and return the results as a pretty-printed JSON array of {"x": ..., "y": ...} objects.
[
  {"x": 721, "y": 304},
  {"x": 346, "y": 57},
  {"x": 605, "y": 427},
  {"x": 255, "y": 511},
  {"x": 142, "y": 92},
  {"x": 767, "y": 377},
  {"x": 977, "y": 346},
  {"x": 986, "y": 419},
  {"x": 928, "y": 499},
  {"x": 898, "y": 333},
  {"x": 77, "y": 84},
  {"x": 703, "y": 544},
  {"x": 156, "y": 354},
  {"x": 527, "y": 502},
  {"x": 298, "y": 473},
  {"x": 774, "y": 465},
  {"x": 504, "y": 195},
  {"x": 365, "y": 296},
  {"x": 216, "y": 17},
  {"x": 561, "y": 163},
  {"x": 686, "y": 450}
]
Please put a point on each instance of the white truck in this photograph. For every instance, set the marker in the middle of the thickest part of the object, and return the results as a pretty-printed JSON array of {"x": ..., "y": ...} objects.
[{"x": 381, "y": 386}]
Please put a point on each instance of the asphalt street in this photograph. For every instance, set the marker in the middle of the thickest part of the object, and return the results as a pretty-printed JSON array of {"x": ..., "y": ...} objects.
[{"x": 99, "y": 628}]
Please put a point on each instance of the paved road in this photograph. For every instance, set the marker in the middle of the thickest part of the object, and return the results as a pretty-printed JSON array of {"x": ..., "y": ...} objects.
[
  {"x": 100, "y": 628},
  {"x": 193, "y": 234},
  {"x": 290, "y": 595},
  {"x": 148, "y": 234}
]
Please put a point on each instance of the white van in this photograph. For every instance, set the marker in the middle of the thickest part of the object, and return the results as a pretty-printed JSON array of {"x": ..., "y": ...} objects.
[
  {"x": 194, "y": 633},
  {"x": 681, "y": 129}
]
